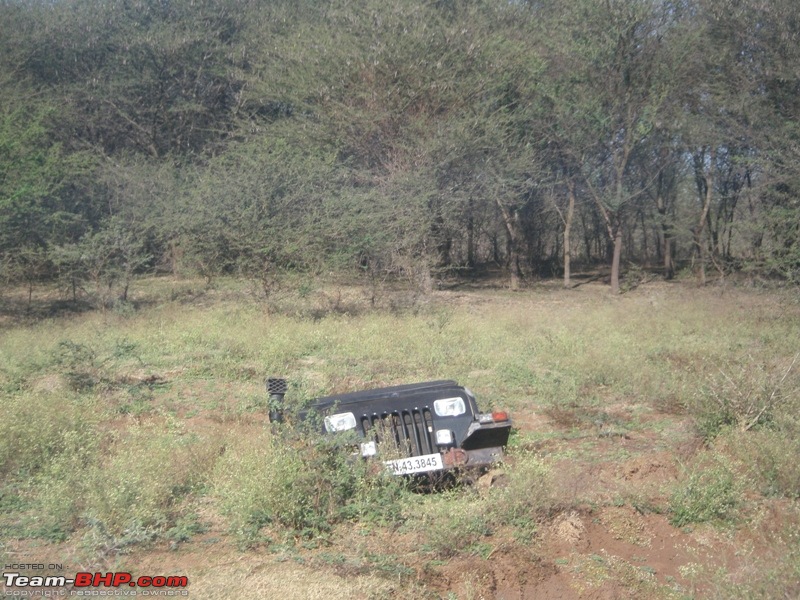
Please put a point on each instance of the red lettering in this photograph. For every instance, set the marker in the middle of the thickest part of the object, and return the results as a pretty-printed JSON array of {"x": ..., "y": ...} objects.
[
  {"x": 177, "y": 581},
  {"x": 121, "y": 578},
  {"x": 104, "y": 579},
  {"x": 83, "y": 579}
]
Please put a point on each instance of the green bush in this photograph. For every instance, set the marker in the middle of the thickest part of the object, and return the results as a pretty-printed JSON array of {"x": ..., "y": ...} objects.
[
  {"x": 150, "y": 472},
  {"x": 768, "y": 456},
  {"x": 58, "y": 491},
  {"x": 303, "y": 484},
  {"x": 708, "y": 493}
]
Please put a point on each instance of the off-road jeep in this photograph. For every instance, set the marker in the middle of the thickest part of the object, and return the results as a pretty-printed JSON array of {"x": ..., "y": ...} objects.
[{"x": 414, "y": 428}]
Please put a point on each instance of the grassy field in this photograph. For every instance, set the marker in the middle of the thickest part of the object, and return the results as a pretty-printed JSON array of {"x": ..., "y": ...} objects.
[{"x": 655, "y": 450}]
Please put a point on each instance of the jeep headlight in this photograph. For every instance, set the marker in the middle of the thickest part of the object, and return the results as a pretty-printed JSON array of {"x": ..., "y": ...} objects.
[
  {"x": 340, "y": 422},
  {"x": 450, "y": 407}
]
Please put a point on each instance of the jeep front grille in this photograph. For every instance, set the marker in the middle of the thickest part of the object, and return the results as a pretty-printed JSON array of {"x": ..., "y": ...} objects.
[{"x": 410, "y": 432}]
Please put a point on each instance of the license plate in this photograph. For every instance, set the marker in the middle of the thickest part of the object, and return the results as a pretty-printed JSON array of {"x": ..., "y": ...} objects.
[{"x": 415, "y": 464}]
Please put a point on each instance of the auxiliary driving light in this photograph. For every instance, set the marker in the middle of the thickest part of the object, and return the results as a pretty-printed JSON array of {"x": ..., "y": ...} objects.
[
  {"x": 369, "y": 449},
  {"x": 444, "y": 437}
]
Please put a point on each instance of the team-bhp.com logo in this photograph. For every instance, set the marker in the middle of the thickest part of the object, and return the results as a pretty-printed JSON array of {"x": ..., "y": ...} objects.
[{"x": 88, "y": 583}]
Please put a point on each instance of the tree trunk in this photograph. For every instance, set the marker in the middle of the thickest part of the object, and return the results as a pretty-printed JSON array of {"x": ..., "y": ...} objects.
[
  {"x": 705, "y": 187},
  {"x": 470, "y": 234},
  {"x": 669, "y": 263},
  {"x": 567, "y": 228},
  {"x": 616, "y": 260},
  {"x": 513, "y": 264},
  {"x": 661, "y": 206},
  {"x": 511, "y": 222}
]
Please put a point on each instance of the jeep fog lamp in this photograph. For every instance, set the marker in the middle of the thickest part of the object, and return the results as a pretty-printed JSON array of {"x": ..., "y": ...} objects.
[
  {"x": 340, "y": 422},
  {"x": 369, "y": 449},
  {"x": 449, "y": 407},
  {"x": 444, "y": 437}
]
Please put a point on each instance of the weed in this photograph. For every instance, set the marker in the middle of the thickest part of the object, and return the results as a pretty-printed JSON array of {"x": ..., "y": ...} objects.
[
  {"x": 768, "y": 456},
  {"x": 37, "y": 427},
  {"x": 708, "y": 493},
  {"x": 104, "y": 543},
  {"x": 136, "y": 486},
  {"x": 77, "y": 362},
  {"x": 186, "y": 527}
]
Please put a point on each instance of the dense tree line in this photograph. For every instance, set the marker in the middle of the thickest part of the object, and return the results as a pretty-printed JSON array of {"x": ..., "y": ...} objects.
[{"x": 252, "y": 137}]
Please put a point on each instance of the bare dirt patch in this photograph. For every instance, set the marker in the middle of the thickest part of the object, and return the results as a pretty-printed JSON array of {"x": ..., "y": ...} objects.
[{"x": 658, "y": 467}]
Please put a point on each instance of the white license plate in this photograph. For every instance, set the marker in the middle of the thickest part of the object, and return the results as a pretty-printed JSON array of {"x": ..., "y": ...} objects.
[{"x": 415, "y": 464}]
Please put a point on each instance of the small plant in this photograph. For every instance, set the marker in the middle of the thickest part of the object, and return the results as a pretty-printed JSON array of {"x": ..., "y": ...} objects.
[
  {"x": 186, "y": 527},
  {"x": 707, "y": 495},
  {"x": 768, "y": 456},
  {"x": 306, "y": 288}
]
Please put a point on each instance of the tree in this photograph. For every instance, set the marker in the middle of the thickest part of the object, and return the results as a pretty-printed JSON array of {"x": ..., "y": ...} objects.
[
  {"x": 613, "y": 70},
  {"x": 148, "y": 76},
  {"x": 37, "y": 181}
]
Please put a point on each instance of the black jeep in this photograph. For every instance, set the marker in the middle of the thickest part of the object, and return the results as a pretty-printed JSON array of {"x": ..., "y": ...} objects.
[{"x": 414, "y": 428}]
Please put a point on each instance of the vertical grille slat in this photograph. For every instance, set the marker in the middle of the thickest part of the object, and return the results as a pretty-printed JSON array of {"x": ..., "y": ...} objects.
[
  {"x": 419, "y": 425},
  {"x": 412, "y": 435},
  {"x": 427, "y": 424}
]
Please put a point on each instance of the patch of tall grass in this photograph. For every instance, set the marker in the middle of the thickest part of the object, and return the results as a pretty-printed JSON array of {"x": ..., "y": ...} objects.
[
  {"x": 119, "y": 483},
  {"x": 304, "y": 484},
  {"x": 457, "y": 521},
  {"x": 36, "y": 427}
]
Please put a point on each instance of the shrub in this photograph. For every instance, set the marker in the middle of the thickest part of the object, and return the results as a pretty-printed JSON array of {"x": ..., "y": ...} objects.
[
  {"x": 769, "y": 457},
  {"x": 36, "y": 427},
  {"x": 301, "y": 484},
  {"x": 745, "y": 393},
  {"x": 709, "y": 493}
]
